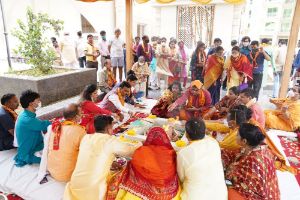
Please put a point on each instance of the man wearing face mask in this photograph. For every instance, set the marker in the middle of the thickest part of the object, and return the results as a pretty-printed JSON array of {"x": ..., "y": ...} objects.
[
  {"x": 103, "y": 48},
  {"x": 245, "y": 47},
  {"x": 142, "y": 72},
  {"x": 29, "y": 130},
  {"x": 65, "y": 137},
  {"x": 8, "y": 117},
  {"x": 258, "y": 56}
]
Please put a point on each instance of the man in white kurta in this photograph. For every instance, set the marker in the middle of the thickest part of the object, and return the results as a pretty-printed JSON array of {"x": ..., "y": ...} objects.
[
  {"x": 199, "y": 166},
  {"x": 96, "y": 155}
]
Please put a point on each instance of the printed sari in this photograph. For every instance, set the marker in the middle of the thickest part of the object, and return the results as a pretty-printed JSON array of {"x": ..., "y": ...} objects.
[
  {"x": 161, "y": 107},
  {"x": 253, "y": 175},
  {"x": 151, "y": 174}
]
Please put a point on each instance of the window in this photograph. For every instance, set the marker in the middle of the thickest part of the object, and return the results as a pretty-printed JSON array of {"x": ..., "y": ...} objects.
[
  {"x": 285, "y": 27},
  {"x": 270, "y": 26},
  {"x": 272, "y": 12},
  {"x": 287, "y": 13}
]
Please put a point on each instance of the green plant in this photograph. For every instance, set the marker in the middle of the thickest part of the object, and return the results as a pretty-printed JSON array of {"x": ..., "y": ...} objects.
[{"x": 34, "y": 46}]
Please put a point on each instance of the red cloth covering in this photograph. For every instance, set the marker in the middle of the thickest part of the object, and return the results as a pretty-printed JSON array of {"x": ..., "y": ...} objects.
[
  {"x": 151, "y": 174},
  {"x": 292, "y": 152},
  {"x": 242, "y": 65},
  {"x": 89, "y": 111},
  {"x": 13, "y": 197}
]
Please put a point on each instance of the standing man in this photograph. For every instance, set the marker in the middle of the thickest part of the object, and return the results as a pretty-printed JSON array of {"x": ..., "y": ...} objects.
[
  {"x": 217, "y": 42},
  {"x": 279, "y": 57},
  {"x": 92, "y": 53},
  {"x": 80, "y": 45},
  {"x": 115, "y": 48},
  {"x": 67, "y": 49},
  {"x": 258, "y": 56},
  {"x": 103, "y": 48},
  {"x": 8, "y": 118},
  {"x": 245, "y": 47}
]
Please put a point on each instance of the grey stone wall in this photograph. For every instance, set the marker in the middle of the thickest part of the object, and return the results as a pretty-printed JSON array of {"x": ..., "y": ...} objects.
[{"x": 52, "y": 88}]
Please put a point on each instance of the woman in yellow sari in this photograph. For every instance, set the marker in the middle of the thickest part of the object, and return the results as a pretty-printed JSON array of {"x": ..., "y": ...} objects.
[
  {"x": 287, "y": 115},
  {"x": 239, "y": 69},
  {"x": 151, "y": 174}
]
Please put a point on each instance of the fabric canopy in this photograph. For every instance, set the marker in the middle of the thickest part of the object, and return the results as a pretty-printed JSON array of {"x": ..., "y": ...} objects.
[{"x": 170, "y": 1}]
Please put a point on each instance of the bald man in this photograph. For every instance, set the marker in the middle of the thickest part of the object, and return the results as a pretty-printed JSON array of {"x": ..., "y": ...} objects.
[{"x": 65, "y": 138}]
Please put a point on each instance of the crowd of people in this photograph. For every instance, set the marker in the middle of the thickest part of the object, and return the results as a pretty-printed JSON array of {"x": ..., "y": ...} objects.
[{"x": 81, "y": 149}]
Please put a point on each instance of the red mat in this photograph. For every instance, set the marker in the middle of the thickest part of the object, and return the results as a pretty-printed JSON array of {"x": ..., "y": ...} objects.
[
  {"x": 292, "y": 152},
  {"x": 13, "y": 197}
]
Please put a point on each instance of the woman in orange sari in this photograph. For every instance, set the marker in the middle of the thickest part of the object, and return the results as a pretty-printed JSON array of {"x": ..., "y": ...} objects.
[
  {"x": 287, "y": 115},
  {"x": 213, "y": 74},
  {"x": 151, "y": 174},
  {"x": 239, "y": 69},
  {"x": 198, "y": 102},
  {"x": 250, "y": 172}
]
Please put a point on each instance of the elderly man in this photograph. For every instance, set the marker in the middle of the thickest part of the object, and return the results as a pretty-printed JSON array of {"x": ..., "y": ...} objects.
[
  {"x": 8, "y": 117},
  {"x": 65, "y": 138},
  {"x": 198, "y": 102}
]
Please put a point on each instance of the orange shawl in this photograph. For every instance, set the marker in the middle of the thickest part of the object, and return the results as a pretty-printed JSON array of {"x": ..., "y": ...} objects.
[
  {"x": 151, "y": 174},
  {"x": 213, "y": 71},
  {"x": 57, "y": 128},
  {"x": 242, "y": 65},
  {"x": 196, "y": 101},
  {"x": 122, "y": 100}
]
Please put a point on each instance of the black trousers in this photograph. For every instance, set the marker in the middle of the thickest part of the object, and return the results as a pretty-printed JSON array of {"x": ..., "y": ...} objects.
[
  {"x": 256, "y": 83},
  {"x": 90, "y": 64},
  {"x": 82, "y": 61}
]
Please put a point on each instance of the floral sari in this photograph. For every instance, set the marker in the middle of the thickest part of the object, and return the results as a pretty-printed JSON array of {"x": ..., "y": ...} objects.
[
  {"x": 151, "y": 174},
  {"x": 253, "y": 175}
]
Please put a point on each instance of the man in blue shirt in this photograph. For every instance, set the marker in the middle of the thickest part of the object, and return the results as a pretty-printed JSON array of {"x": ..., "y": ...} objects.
[
  {"x": 245, "y": 47},
  {"x": 217, "y": 42},
  {"x": 8, "y": 117},
  {"x": 29, "y": 130},
  {"x": 258, "y": 56}
]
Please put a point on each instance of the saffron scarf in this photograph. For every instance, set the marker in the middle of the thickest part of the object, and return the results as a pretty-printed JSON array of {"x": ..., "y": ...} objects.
[
  {"x": 213, "y": 71},
  {"x": 111, "y": 79},
  {"x": 242, "y": 65},
  {"x": 151, "y": 174},
  {"x": 11, "y": 112},
  {"x": 122, "y": 100},
  {"x": 57, "y": 128},
  {"x": 196, "y": 101}
]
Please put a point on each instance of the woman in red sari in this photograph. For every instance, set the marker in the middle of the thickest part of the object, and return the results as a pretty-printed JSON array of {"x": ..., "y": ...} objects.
[
  {"x": 251, "y": 172},
  {"x": 213, "y": 74},
  {"x": 151, "y": 174},
  {"x": 195, "y": 102},
  {"x": 90, "y": 109},
  {"x": 239, "y": 69}
]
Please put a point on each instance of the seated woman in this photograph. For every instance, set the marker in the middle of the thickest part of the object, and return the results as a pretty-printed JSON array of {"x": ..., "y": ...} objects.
[
  {"x": 169, "y": 96},
  {"x": 236, "y": 116},
  {"x": 90, "y": 109},
  {"x": 250, "y": 172},
  {"x": 198, "y": 101},
  {"x": 151, "y": 174},
  {"x": 286, "y": 117},
  {"x": 221, "y": 108}
]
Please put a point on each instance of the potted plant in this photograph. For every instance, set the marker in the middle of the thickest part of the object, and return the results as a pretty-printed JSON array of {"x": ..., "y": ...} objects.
[{"x": 53, "y": 83}]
